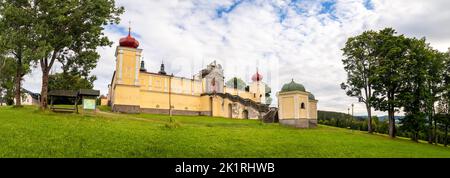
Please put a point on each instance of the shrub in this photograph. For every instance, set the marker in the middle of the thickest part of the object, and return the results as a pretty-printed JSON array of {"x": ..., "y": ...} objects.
[{"x": 173, "y": 124}]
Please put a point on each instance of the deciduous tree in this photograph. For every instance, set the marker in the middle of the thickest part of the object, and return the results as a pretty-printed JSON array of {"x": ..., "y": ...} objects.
[
  {"x": 443, "y": 109},
  {"x": 65, "y": 81},
  {"x": 18, "y": 38},
  {"x": 387, "y": 79},
  {"x": 414, "y": 92},
  {"x": 72, "y": 30},
  {"x": 360, "y": 53},
  {"x": 7, "y": 71}
]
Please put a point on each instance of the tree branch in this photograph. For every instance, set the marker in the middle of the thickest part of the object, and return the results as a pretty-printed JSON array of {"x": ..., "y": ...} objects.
[{"x": 54, "y": 56}]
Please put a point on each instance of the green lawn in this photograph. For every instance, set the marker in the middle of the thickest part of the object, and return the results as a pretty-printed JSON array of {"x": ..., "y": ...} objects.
[{"x": 27, "y": 132}]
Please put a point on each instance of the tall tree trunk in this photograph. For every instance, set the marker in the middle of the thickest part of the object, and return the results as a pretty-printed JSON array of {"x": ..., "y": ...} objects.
[
  {"x": 17, "y": 83},
  {"x": 1, "y": 96},
  {"x": 46, "y": 66},
  {"x": 369, "y": 123},
  {"x": 435, "y": 134},
  {"x": 368, "y": 92},
  {"x": 1, "y": 89},
  {"x": 430, "y": 129},
  {"x": 416, "y": 136},
  {"x": 391, "y": 123},
  {"x": 391, "y": 116},
  {"x": 44, "y": 89},
  {"x": 446, "y": 136},
  {"x": 430, "y": 112}
]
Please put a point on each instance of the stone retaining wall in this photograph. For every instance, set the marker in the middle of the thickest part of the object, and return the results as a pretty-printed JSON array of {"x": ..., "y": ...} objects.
[
  {"x": 175, "y": 112},
  {"x": 137, "y": 109},
  {"x": 126, "y": 108}
]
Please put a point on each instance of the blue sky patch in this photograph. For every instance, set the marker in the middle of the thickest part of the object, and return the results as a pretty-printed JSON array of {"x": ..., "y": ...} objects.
[
  {"x": 327, "y": 7},
  {"x": 122, "y": 30},
  {"x": 225, "y": 10},
  {"x": 281, "y": 13},
  {"x": 368, "y": 4},
  {"x": 295, "y": 6}
]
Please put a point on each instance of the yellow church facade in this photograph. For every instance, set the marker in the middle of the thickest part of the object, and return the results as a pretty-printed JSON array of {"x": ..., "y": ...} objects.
[{"x": 133, "y": 89}]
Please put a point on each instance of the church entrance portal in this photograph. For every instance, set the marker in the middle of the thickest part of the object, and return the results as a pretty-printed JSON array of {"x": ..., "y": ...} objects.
[{"x": 245, "y": 114}]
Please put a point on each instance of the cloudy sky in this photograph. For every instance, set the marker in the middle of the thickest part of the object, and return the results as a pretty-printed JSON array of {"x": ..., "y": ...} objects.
[{"x": 285, "y": 39}]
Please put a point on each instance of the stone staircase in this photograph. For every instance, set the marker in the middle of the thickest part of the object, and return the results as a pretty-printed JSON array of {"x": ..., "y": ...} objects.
[
  {"x": 263, "y": 108},
  {"x": 271, "y": 116}
]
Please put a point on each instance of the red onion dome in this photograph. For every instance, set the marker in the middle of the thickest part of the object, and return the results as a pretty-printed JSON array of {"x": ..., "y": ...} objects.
[
  {"x": 257, "y": 77},
  {"x": 129, "y": 41}
]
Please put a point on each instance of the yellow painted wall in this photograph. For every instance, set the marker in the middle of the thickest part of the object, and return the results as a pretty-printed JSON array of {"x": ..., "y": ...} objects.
[
  {"x": 111, "y": 89},
  {"x": 287, "y": 105},
  {"x": 126, "y": 95},
  {"x": 259, "y": 89},
  {"x": 205, "y": 103},
  {"x": 124, "y": 89},
  {"x": 160, "y": 83},
  {"x": 186, "y": 102},
  {"x": 303, "y": 98},
  {"x": 313, "y": 109},
  {"x": 216, "y": 108},
  {"x": 290, "y": 106},
  {"x": 127, "y": 64},
  {"x": 103, "y": 101},
  {"x": 185, "y": 93},
  {"x": 160, "y": 100}
]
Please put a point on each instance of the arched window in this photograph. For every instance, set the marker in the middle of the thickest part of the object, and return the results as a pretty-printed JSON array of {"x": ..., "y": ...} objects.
[{"x": 302, "y": 106}]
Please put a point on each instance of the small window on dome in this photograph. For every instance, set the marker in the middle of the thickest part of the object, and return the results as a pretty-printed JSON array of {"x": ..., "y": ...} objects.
[{"x": 303, "y": 106}]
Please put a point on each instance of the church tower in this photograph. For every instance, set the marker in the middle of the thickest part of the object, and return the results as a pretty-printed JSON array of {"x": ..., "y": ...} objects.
[
  {"x": 258, "y": 87},
  {"x": 126, "y": 81},
  {"x": 128, "y": 60}
]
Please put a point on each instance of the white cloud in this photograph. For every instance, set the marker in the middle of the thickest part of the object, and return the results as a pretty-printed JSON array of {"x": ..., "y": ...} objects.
[{"x": 284, "y": 39}]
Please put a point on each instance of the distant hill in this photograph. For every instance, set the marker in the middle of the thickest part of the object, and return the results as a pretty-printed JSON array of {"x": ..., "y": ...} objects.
[
  {"x": 382, "y": 118},
  {"x": 326, "y": 115},
  {"x": 331, "y": 114}
]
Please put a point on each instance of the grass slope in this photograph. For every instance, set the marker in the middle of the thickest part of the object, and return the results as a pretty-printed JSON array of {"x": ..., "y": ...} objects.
[{"x": 27, "y": 132}]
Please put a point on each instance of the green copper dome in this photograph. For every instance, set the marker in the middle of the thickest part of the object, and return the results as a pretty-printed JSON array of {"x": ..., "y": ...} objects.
[
  {"x": 311, "y": 96},
  {"x": 292, "y": 86}
]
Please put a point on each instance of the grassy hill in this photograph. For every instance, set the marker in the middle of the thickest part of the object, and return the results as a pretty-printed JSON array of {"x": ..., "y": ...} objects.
[{"x": 27, "y": 132}]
